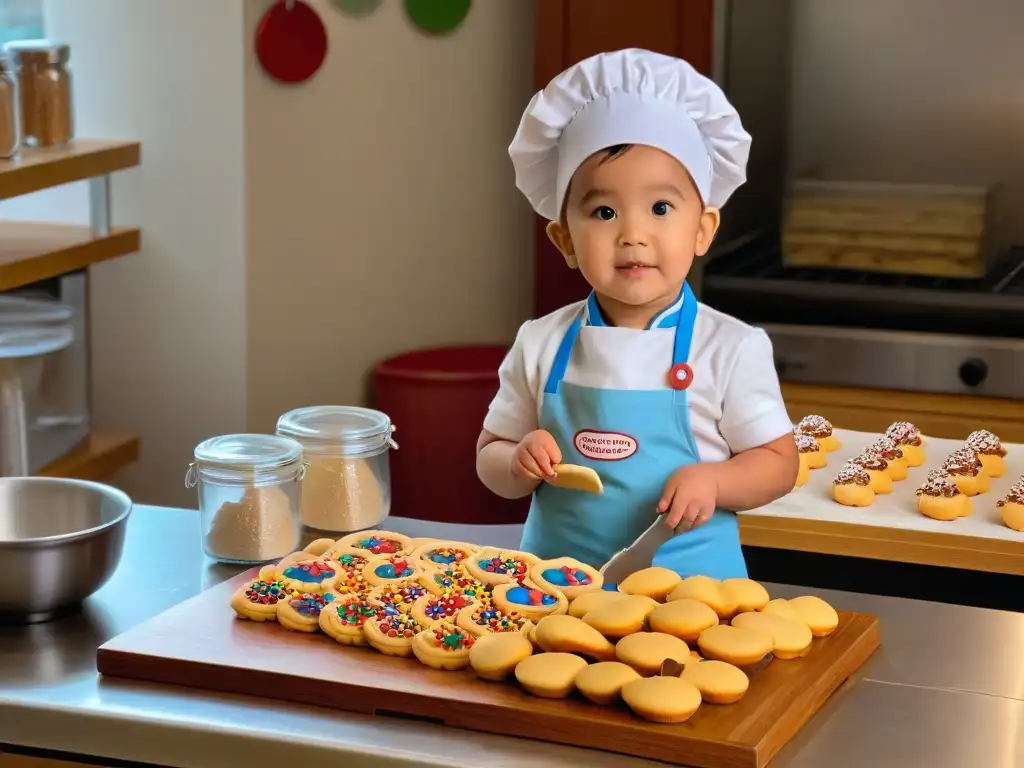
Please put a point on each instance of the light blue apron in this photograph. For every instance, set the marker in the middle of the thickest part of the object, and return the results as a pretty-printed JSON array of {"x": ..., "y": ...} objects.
[{"x": 635, "y": 440}]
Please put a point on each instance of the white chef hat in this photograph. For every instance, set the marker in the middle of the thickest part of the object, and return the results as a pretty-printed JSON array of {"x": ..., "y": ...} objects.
[{"x": 631, "y": 96}]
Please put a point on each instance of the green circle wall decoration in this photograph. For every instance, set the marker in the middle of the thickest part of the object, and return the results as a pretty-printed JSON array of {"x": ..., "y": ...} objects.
[
  {"x": 437, "y": 16},
  {"x": 356, "y": 7}
]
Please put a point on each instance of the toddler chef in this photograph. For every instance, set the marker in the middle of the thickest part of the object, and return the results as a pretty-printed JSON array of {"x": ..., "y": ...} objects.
[{"x": 677, "y": 406}]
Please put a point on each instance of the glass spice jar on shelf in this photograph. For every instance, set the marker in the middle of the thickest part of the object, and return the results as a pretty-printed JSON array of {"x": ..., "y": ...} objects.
[
  {"x": 44, "y": 83},
  {"x": 10, "y": 122},
  {"x": 250, "y": 492}
]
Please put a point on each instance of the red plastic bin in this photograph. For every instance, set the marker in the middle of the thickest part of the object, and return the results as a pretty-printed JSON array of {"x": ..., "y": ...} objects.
[{"x": 437, "y": 399}]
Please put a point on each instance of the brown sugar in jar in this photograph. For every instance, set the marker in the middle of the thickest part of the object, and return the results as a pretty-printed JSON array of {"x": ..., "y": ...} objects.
[
  {"x": 10, "y": 123},
  {"x": 44, "y": 82}
]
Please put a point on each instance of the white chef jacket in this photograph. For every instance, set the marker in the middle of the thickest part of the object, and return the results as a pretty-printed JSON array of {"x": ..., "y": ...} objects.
[{"x": 735, "y": 400}]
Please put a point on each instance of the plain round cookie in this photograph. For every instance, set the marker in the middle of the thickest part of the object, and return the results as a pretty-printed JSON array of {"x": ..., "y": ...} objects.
[
  {"x": 588, "y": 601},
  {"x": 647, "y": 651},
  {"x": 685, "y": 618},
  {"x": 791, "y": 638},
  {"x": 708, "y": 591},
  {"x": 495, "y": 656},
  {"x": 781, "y": 607},
  {"x": 821, "y": 617},
  {"x": 623, "y": 617},
  {"x": 654, "y": 582},
  {"x": 319, "y": 547},
  {"x": 742, "y": 647},
  {"x": 746, "y": 593},
  {"x": 602, "y": 682},
  {"x": 718, "y": 682},
  {"x": 662, "y": 699},
  {"x": 567, "y": 634},
  {"x": 549, "y": 675}
]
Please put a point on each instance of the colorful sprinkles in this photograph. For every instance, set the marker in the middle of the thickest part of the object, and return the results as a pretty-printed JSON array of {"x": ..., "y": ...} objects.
[{"x": 266, "y": 592}]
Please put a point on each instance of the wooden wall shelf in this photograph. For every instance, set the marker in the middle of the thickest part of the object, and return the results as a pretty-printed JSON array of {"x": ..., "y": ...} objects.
[
  {"x": 32, "y": 251},
  {"x": 37, "y": 169},
  {"x": 99, "y": 458}
]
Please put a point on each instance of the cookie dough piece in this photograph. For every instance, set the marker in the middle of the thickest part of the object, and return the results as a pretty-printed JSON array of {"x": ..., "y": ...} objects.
[
  {"x": 737, "y": 646},
  {"x": 492, "y": 566},
  {"x": 602, "y": 682},
  {"x": 343, "y": 620},
  {"x": 748, "y": 594},
  {"x": 708, "y": 591},
  {"x": 382, "y": 570},
  {"x": 549, "y": 675},
  {"x": 878, "y": 470},
  {"x": 257, "y": 600},
  {"x": 310, "y": 575},
  {"x": 430, "y": 608},
  {"x": 319, "y": 547},
  {"x": 965, "y": 470},
  {"x": 495, "y": 656},
  {"x": 940, "y": 498},
  {"x": 717, "y": 681},
  {"x": 821, "y": 617},
  {"x": 662, "y": 699},
  {"x": 852, "y": 486},
  {"x": 392, "y": 635},
  {"x": 887, "y": 448},
  {"x": 647, "y": 651},
  {"x": 1011, "y": 506},
  {"x": 989, "y": 450},
  {"x": 685, "y": 619},
  {"x": 443, "y": 646},
  {"x": 588, "y": 601},
  {"x": 576, "y": 478},
  {"x": 820, "y": 429},
  {"x": 534, "y": 604},
  {"x": 443, "y": 554},
  {"x": 781, "y": 607},
  {"x": 566, "y": 575},
  {"x": 481, "y": 619},
  {"x": 654, "y": 582},
  {"x": 567, "y": 634},
  {"x": 791, "y": 638},
  {"x": 301, "y": 613},
  {"x": 397, "y": 599},
  {"x": 908, "y": 438},
  {"x": 377, "y": 543},
  {"x": 622, "y": 617}
]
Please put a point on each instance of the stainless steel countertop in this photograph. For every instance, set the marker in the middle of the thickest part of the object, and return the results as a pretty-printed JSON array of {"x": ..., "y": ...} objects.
[{"x": 945, "y": 689}]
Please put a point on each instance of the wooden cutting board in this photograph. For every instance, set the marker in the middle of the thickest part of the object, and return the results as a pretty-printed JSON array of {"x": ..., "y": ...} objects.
[{"x": 200, "y": 643}]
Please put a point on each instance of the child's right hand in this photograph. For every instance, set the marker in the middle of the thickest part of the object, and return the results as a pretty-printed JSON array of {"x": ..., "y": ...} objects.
[{"x": 535, "y": 456}]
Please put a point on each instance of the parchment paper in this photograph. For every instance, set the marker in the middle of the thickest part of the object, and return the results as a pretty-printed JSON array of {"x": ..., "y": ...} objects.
[{"x": 899, "y": 509}]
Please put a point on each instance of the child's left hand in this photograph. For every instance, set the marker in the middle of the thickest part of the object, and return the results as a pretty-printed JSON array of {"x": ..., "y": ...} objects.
[{"x": 690, "y": 497}]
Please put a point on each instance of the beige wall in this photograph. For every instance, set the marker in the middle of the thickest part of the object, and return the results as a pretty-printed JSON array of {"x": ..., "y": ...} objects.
[
  {"x": 292, "y": 236},
  {"x": 382, "y": 212}
]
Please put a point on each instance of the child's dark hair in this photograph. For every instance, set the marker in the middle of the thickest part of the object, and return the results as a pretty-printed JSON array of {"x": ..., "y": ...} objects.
[{"x": 612, "y": 152}]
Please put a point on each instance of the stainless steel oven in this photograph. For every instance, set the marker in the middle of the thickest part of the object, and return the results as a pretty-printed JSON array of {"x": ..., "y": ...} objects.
[{"x": 876, "y": 91}]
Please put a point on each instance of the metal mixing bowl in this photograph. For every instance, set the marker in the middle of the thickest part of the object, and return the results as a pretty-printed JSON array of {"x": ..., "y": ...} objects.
[{"x": 60, "y": 540}]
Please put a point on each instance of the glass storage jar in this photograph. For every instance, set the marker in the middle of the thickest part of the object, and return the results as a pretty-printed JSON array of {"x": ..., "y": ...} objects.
[
  {"x": 348, "y": 480},
  {"x": 44, "y": 84},
  {"x": 249, "y": 489},
  {"x": 10, "y": 120}
]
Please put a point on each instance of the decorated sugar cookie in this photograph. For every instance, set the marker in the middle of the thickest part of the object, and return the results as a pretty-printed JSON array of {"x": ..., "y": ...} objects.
[
  {"x": 444, "y": 554},
  {"x": 1011, "y": 506},
  {"x": 377, "y": 542},
  {"x": 896, "y": 462},
  {"x": 392, "y": 635},
  {"x": 534, "y": 604},
  {"x": 446, "y": 581},
  {"x": 349, "y": 559},
  {"x": 343, "y": 619},
  {"x": 352, "y": 582},
  {"x": 301, "y": 612},
  {"x": 495, "y": 566},
  {"x": 312, "y": 575},
  {"x": 940, "y": 498},
  {"x": 965, "y": 470},
  {"x": 480, "y": 619},
  {"x": 566, "y": 575},
  {"x": 431, "y": 608},
  {"x": 391, "y": 569},
  {"x": 443, "y": 645},
  {"x": 397, "y": 599},
  {"x": 878, "y": 470},
  {"x": 820, "y": 429},
  {"x": 989, "y": 450},
  {"x": 852, "y": 486},
  {"x": 257, "y": 600},
  {"x": 908, "y": 438}
]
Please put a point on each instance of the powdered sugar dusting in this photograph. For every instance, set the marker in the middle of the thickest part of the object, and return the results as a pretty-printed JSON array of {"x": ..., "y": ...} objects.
[
  {"x": 983, "y": 441},
  {"x": 815, "y": 426},
  {"x": 1013, "y": 496},
  {"x": 887, "y": 448},
  {"x": 938, "y": 483},
  {"x": 852, "y": 474},
  {"x": 962, "y": 462},
  {"x": 806, "y": 443},
  {"x": 904, "y": 433}
]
